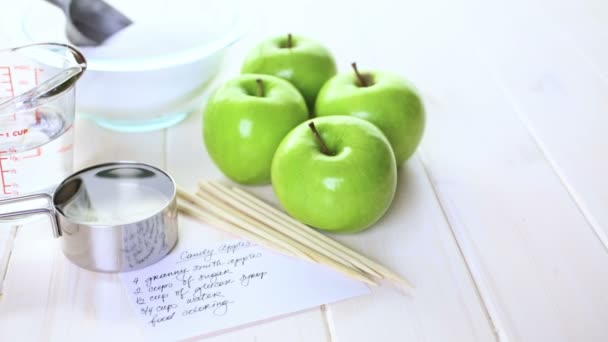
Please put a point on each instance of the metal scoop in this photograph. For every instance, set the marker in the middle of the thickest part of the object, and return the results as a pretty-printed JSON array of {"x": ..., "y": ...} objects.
[{"x": 91, "y": 22}]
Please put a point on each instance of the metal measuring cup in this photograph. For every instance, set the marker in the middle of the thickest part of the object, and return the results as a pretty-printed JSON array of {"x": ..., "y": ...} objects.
[{"x": 111, "y": 217}]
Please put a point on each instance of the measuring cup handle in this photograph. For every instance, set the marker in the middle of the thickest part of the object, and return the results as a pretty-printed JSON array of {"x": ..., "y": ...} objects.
[{"x": 28, "y": 206}]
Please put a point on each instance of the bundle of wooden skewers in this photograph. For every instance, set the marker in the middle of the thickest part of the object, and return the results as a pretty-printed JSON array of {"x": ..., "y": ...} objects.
[{"x": 240, "y": 213}]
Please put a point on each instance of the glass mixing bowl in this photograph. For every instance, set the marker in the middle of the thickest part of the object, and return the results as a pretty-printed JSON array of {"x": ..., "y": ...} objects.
[{"x": 152, "y": 74}]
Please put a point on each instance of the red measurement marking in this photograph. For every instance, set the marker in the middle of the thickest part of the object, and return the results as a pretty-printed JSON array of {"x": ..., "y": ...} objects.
[
  {"x": 36, "y": 155},
  {"x": 66, "y": 148},
  {"x": 16, "y": 133},
  {"x": 4, "y": 185},
  {"x": 38, "y": 116},
  {"x": 22, "y": 67},
  {"x": 9, "y": 75},
  {"x": 37, "y": 72},
  {"x": 10, "y": 150}
]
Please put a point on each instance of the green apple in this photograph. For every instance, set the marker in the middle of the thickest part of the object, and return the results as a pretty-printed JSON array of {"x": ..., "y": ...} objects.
[
  {"x": 245, "y": 121},
  {"x": 386, "y": 100},
  {"x": 336, "y": 173},
  {"x": 302, "y": 61}
]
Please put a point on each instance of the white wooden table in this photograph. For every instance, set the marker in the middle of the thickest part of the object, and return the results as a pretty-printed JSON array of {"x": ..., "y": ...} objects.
[{"x": 500, "y": 220}]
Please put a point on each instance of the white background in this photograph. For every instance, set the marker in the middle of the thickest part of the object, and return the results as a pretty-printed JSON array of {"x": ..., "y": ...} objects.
[{"x": 500, "y": 220}]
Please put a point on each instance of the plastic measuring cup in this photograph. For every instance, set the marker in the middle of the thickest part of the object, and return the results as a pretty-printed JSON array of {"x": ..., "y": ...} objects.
[{"x": 37, "y": 116}]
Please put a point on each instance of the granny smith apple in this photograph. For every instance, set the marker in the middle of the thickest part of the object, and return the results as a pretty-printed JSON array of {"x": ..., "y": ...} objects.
[
  {"x": 336, "y": 173},
  {"x": 385, "y": 99},
  {"x": 304, "y": 62},
  {"x": 245, "y": 121}
]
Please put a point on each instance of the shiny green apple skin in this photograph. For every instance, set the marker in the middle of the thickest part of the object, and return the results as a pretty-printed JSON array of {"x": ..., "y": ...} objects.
[
  {"x": 391, "y": 103},
  {"x": 307, "y": 64},
  {"x": 242, "y": 130},
  {"x": 346, "y": 192}
]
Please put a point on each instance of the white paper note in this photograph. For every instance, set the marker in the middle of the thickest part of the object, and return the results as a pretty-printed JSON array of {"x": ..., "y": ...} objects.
[{"x": 200, "y": 288}]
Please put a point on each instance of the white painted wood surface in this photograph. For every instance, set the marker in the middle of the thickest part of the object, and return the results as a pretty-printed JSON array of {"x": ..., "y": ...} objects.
[{"x": 500, "y": 221}]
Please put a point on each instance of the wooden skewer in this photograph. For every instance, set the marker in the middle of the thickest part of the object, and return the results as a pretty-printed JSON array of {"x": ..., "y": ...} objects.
[
  {"x": 230, "y": 215},
  {"x": 268, "y": 240},
  {"x": 232, "y": 229},
  {"x": 210, "y": 208},
  {"x": 295, "y": 233},
  {"x": 192, "y": 210},
  {"x": 256, "y": 227},
  {"x": 286, "y": 219}
]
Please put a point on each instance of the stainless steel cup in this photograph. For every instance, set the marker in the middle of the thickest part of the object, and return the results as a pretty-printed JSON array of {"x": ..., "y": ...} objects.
[{"x": 111, "y": 217}]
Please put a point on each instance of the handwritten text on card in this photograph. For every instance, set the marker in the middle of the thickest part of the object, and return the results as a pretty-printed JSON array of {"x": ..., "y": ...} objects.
[{"x": 198, "y": 290}]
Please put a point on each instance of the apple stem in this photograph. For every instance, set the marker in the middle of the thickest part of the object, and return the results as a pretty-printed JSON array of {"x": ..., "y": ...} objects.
[
  {"x": 362, "y": 79},
  {"x": 289, "y": 41},
  {"x": 324, "y": 149},
  {"x": 260, "y": 87}
]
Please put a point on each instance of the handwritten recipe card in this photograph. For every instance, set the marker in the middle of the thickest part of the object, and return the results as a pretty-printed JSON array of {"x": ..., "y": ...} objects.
[{"x": 201, "y": 288}]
